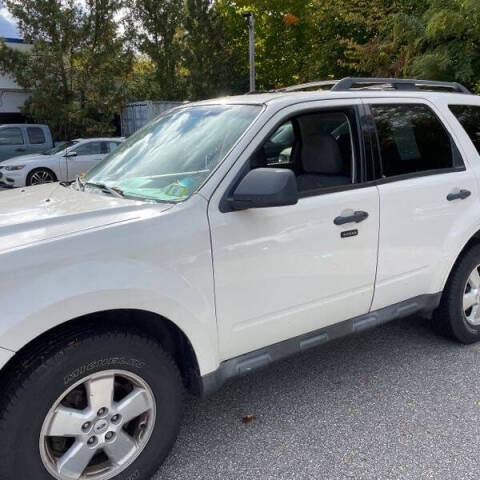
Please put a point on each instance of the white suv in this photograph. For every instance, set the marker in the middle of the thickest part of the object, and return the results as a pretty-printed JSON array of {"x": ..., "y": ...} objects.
[{"x": 221, "y": 237}]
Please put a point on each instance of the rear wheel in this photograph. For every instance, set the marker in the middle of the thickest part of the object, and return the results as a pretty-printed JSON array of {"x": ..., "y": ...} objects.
[
  {"x": 98, "y": 407},
  {"x": 458, "y": 315},
  {"x": 40, "y": 176}
]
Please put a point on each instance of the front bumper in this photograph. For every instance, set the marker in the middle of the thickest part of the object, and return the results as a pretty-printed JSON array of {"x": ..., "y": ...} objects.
[{"x": 11, "y": 179}]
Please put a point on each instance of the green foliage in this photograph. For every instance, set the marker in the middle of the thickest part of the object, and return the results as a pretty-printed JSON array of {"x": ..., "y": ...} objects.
[
  {"x": 82, "y": 68},
  {"x": 157, "y": 27},
  {"x": 77, "y": 66},
  {"x": 283, "y": 44},
  {"x": 451, "y": 42},
  {"x": 211, "y": 62}
]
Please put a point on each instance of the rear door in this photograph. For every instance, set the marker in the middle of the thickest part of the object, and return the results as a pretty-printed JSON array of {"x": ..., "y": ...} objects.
[{"x": 426, "y": 193}]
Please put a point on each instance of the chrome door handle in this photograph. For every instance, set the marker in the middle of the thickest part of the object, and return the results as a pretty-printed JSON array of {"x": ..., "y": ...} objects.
[
  {"x": 355, "y": 217},
  {"x": 460, "y": 195}
]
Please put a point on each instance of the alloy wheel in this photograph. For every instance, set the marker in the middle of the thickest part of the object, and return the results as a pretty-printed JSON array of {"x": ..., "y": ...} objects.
[
  {"x": 41, "y": 176},
  {"x": 471, "y": 298},
  {"x": 98, "y": 427}
]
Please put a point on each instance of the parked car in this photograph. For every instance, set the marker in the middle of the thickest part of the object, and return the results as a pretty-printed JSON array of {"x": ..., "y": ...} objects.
[
  {"x": 19, "y": 139},
  {"x": 63, "y": 162},
  {"x": 192, "y": 256}
]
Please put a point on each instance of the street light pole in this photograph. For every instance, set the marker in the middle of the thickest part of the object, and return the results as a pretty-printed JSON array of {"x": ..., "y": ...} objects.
[{"x": 249, "y": 18}]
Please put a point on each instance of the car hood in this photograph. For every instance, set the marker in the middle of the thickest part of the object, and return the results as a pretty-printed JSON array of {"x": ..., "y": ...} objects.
[
  {"x": 34, "y": 214},
  {"x": 31, "y": 157}
]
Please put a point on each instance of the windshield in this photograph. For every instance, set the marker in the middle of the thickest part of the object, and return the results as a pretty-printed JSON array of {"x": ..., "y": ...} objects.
[
  {"x": 169, "y": 158},
  {"x": 59, "y": 148}
]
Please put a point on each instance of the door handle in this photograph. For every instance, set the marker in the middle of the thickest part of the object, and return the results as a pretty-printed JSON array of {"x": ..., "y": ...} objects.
[
  {"x": 355, "y": 217},
  {"x": 460, "y": 195}
]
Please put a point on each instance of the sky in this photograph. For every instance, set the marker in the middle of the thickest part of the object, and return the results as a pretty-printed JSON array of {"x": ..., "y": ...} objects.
[{"x": 8, "y": 27}]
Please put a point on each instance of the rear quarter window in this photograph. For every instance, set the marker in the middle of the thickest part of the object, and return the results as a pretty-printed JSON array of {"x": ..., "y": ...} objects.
[
  {"x": 469, "y": 117},
  {"x": 35, "y": 135}
]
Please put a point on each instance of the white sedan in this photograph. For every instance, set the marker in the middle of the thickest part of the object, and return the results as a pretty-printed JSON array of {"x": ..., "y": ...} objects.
[{"x": 61, "y": 163}]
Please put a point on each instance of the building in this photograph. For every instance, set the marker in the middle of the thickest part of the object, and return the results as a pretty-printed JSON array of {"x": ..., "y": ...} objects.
[{"x": 12, "y": 96}]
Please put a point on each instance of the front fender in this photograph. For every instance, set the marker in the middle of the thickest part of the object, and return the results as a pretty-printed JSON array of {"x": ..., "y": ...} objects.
[{"x": 159, "y": 264}]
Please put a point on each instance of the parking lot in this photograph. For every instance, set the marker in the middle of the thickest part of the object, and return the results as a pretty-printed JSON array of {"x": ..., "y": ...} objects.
[{"x": 397, "y": 402}]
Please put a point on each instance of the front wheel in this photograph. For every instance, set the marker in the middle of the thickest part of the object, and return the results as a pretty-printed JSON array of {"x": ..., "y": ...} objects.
[
  {"x": 39, "y": 176},
  {"x": 458, "y": 315},
  {"x": 99, "y": 407}
]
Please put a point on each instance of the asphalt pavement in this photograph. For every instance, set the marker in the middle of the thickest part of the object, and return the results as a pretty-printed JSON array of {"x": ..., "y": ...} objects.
[{"x": 396, "y": 402}]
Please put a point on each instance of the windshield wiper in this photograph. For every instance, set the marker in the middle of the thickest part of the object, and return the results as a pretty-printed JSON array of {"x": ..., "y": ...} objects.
[{"x": 114, "y": 191}]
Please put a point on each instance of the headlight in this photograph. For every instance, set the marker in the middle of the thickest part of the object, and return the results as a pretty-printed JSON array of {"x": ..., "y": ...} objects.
[{"x": 14, "y": 167}]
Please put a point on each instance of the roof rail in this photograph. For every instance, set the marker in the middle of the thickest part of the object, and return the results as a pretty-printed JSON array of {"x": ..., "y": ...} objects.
[
  {"x": 305, "y": 86},
  {"x": 396, "y": 84}
]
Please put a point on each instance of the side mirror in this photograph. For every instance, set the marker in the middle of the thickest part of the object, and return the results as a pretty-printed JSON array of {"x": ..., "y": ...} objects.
[
  {"x": 71, "y": 154},
  {"x": 265, "y": 187}
]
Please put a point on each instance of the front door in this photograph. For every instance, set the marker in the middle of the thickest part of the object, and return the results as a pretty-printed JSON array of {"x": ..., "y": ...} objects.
[
  {"x": 284, "y": 271},
  {"x": 12, "y": 142},
  {"x": 86, "y": 156}
]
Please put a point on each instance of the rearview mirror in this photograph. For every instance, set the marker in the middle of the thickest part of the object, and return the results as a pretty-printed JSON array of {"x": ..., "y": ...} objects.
[
  {"x": 265, "y": 187},
  {"x": 71, "y": 154}
]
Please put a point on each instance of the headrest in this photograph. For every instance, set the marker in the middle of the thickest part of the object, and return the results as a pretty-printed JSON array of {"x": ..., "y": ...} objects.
[{"x": 321, "y": 154}]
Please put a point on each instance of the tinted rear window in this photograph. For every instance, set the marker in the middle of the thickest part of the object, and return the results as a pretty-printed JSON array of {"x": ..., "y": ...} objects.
[
  {"x": 412, "y": 139},
  {"x": 469, "y": 117},
  {"x": 35, "y": 135}
]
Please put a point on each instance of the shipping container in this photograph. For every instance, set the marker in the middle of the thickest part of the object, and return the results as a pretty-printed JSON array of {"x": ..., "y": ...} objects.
[{"x": 136, "y": 114}]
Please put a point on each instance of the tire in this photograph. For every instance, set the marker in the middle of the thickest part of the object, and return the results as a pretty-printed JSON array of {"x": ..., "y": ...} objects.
[
  {"x": 40, "y": 176},
  {"x": 38, "y": 382},
  {"x": 450, "y": 319}
]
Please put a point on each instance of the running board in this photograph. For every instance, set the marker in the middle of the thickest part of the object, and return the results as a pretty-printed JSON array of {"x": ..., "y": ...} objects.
[{"x": 257, "y": 359}]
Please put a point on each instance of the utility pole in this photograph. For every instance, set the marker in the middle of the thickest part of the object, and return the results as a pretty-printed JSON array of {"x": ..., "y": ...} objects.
[{"x": 249, "y": 18}]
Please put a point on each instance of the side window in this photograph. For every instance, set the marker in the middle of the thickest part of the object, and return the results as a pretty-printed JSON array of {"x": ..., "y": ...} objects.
[
  {"x": 278, "y": 148},
  {"x": 90, "y": 148},
  {"x": 108, "y": 147},
  {"x": 318, "y": 147},
  {"x": 11, "y": 136},
  {"x": 469, "y": 117},
  {"x": 412, "y": 139},
  {"x": 35, "y": 135}
]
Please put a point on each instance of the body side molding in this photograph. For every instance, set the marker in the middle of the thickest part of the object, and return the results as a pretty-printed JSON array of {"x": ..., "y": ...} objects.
[{"x": 249, "y": 362}]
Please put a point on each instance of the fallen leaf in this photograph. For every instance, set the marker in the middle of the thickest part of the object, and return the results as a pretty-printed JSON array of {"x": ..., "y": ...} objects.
[{"x": 249, "y": 418}]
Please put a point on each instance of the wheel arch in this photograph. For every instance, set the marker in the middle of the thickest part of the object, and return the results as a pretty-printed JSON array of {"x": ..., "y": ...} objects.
[
  {"x": 167, "y": 333},
  {"x": 474, "y": 239}
]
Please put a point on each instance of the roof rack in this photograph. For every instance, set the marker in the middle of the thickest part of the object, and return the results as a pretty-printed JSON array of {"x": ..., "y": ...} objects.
[
  {"x": 396, "y": 84},
  {"x": 365, "y": 83}
]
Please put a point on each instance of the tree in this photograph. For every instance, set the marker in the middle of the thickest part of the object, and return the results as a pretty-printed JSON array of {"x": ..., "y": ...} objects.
[
  {"x": 380, "y": 38},
  {"x": 283, "y": 38},
  {"x": 77, "y": 66},
  {"x": 451, "y": 42},
  {"x": 158, "y": 25},
  {"x": 214, "y": 65}
]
